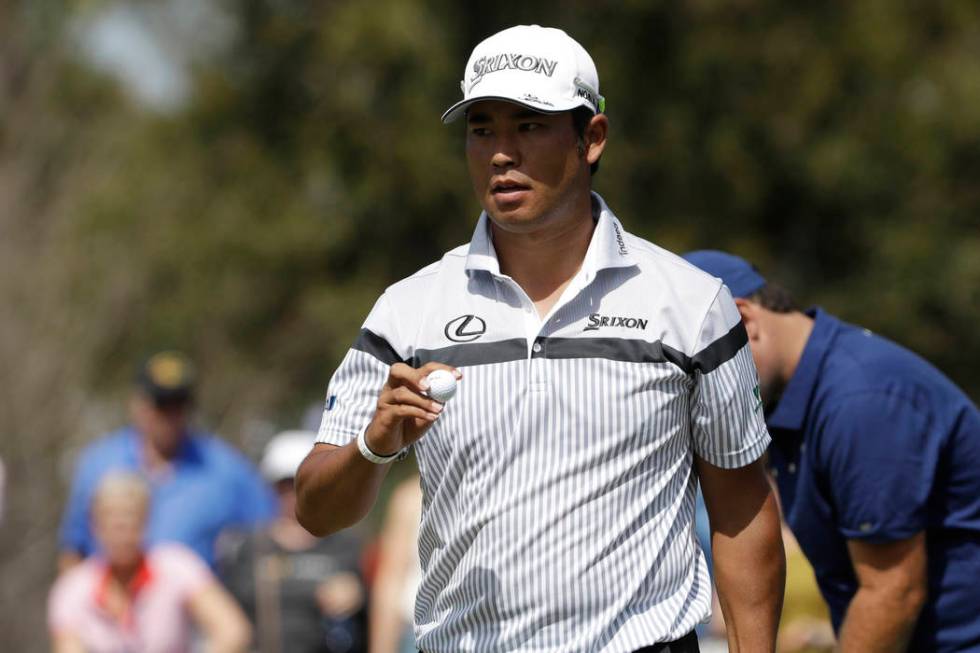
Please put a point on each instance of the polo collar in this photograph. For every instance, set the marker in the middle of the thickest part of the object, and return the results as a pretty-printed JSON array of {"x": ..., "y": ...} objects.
[
  {"x": 141, "y": 579},
  {"x": 187, "y": 454},
  {"x": 790, "y": 412},
  {"x": 608, "y": 248}
]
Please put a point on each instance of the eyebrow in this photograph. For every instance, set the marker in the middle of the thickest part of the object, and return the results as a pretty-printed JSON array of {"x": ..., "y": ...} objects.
[{"x": 528, "y": 113}]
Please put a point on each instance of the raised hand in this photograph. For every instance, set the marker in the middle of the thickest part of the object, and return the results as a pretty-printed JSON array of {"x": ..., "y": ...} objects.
[{"x": 404, "y": 413}]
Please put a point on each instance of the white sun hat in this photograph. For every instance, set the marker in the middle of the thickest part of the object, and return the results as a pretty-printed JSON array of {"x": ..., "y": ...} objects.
[
  {"x": 542, "y": 68},
  {"x": 284, "y": 453}
]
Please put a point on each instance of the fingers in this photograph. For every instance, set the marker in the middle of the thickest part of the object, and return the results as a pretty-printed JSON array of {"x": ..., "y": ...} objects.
[
  {"x": 403, "y": 397},
  {"x": 404, "y": 413},
  {"x": 401, "y": 374}
]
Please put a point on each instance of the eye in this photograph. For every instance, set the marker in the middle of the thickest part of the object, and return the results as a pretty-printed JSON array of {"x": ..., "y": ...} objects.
[
  {"x": 530, "y": 126},
  {"x": 480, "y": 131}
]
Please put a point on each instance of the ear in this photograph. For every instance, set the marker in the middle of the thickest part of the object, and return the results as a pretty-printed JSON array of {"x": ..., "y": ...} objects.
[
  {"x": 595, "y": 135},
  {"x": 750, "y": 316}
]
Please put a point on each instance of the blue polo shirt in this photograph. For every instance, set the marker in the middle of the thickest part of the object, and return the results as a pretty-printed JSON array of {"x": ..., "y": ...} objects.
[
  {"x": 870, "y": 442},
  {"x": 209, "y": 487}
]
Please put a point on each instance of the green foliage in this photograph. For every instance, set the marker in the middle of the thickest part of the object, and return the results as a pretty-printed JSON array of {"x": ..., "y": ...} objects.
[{"x": 835, "y": 146}]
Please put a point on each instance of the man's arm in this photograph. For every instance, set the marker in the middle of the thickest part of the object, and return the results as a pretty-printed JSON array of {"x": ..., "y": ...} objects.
[
  {"x": 66, "y": 643},
  {"x": 67, "y": 560},
  {"x": 75, "y": 533},
  {"x": 217, "y": 615},
  {"x": 747, "y": 548},
  {"x": 336, "y": 486},
  {"x": 891, "y": 590}
]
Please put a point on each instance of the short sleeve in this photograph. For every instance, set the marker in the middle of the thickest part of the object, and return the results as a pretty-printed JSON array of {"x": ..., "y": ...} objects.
[
  {"x": 258, "y": 501},
  {"x": 75, "y": 534},
  {"x": 67, "y": 600},
  {"x": 728, "y": 426},
  {"x": 187, "y": 573},
  {"x": 353, "y": 391},
  {"x": 879, "y": 460}
]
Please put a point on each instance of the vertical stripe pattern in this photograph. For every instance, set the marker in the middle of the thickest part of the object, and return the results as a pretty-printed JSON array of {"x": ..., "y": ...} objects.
[{"x": 558, "y": 484}]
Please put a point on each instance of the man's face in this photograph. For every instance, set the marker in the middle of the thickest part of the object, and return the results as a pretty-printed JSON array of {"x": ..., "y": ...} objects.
[
  {"x": 163, "y": 425},
  {"x": 769, "y": 386},
  {"x": 765, "y": 351},
  {"x": 526, "y": 167}
]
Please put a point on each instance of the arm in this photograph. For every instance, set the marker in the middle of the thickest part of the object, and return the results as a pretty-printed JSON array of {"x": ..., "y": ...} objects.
[
  {"x": 398, "y": 539},
  {"x": 67, "y": 560},
  {"x": 891, "y": 591},
  {"x": 75, "y": 534},
  {"x": 336, "y": 486},
  {"x": 64, "y": 610},
  {"x": 66, "y": 643},
  {"x": 879, "y": 457},
  {"x": 747, "y": 548},
  {"x": 220, "y": 620}
]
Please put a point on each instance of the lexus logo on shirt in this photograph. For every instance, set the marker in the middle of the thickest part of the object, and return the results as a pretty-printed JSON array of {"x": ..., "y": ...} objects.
[{"x": 465, "y": 328}]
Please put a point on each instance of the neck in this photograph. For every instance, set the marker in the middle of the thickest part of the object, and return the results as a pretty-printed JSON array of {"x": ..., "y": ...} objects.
[
  {"x": 543, "y": 261},
  {"x": 155, "y": 457},
  {"x": 123, "y": 575}
]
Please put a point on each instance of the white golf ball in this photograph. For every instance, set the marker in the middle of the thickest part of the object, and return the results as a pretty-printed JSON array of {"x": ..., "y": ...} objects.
[{"x": 442, "y": 385}]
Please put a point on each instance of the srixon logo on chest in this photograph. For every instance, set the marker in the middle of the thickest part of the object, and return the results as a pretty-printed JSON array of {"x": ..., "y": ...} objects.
[{"x": 597, "y": 321}]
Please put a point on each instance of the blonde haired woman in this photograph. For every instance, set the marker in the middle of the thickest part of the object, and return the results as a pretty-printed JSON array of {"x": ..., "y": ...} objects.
[{"x": 131, "y": 599}]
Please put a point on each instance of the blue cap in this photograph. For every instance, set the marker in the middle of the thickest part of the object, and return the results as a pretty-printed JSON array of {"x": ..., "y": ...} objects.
[{"x": 739, "y": 275}]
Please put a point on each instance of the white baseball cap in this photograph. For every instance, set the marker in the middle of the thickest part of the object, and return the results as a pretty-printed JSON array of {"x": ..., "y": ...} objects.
[
  {"x": 542, "y": 68},
  {"x": 284, "y": 453}
]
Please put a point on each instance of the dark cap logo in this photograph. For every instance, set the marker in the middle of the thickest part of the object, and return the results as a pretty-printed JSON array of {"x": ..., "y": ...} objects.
[
  {"x": 465, "y": 328},
  {"x": 508, "y": 61}
]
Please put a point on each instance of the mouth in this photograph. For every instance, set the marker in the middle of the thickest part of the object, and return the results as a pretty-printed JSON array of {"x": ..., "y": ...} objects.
[{"x": 507, "y": 188}]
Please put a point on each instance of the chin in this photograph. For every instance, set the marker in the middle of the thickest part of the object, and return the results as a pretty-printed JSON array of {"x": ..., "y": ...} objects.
[
  {"x": 515, "y": 218},
  {"x": 126, "y": 560}
]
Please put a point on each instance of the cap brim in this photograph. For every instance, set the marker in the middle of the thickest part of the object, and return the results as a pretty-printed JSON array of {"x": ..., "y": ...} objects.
[
  {"x": 160, "y": 395},
  {"x": 458, "y": 109}
]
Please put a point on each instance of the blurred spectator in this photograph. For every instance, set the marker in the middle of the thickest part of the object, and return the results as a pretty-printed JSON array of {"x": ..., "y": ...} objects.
[
  {"x": 399, "y": 572},
  {"x": 305, "y": 595},
  {"x": 200, "y": 484},
  {"x": 877, "y": 458},
  {"x": 131, "y": 599}
]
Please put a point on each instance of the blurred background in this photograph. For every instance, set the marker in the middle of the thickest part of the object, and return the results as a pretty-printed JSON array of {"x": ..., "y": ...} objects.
[{"x": 241, "y": 179}]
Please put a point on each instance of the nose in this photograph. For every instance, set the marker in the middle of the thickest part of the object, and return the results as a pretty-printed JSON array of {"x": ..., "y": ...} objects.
[{"x": 506, "y": 152}]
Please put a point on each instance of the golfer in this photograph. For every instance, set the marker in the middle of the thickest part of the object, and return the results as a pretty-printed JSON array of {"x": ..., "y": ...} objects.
[
  {"x": 600, "y": 377},
  {"x": 876, "y": 455}
]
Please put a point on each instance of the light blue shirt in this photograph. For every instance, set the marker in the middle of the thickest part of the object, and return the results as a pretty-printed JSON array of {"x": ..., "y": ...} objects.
[{"x": 210, "y": 487}]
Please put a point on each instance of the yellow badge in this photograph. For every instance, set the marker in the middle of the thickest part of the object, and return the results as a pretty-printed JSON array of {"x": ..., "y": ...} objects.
[{"x": 167, "y": 370}]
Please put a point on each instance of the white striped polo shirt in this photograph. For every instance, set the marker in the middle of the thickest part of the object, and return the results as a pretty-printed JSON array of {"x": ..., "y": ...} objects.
[{"x": 558, "y": 489}]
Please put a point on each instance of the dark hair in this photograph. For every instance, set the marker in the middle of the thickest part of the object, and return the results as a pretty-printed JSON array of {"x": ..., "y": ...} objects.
[
  {"x": 775, "y": 298},
  {"x": 581, "y": 117}
]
